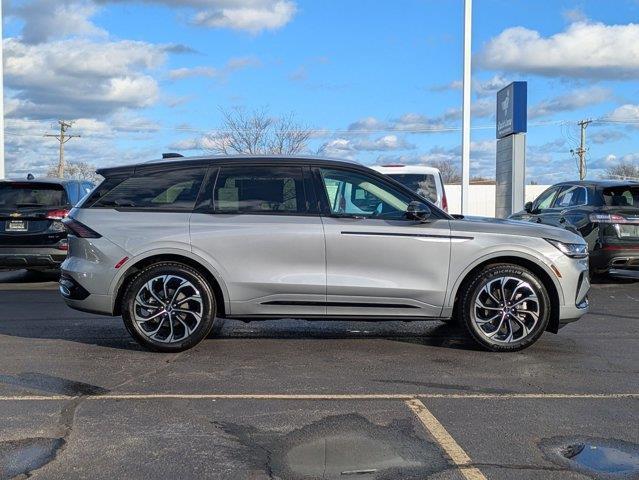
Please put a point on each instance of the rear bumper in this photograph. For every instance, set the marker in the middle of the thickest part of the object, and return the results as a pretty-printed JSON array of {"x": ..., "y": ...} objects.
[
  {"x": 40, "y": 257},
  {"x": 616, "y": 262}
]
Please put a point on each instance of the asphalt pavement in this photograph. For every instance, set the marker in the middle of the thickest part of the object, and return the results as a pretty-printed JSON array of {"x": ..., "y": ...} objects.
[{"x": 293, "y": 399}]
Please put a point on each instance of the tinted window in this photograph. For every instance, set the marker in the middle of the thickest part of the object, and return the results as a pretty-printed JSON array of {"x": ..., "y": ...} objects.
[
  {"x": 72, "y": 192},
  {"x": 621, "y": 196},
  {"x": 356, "y": 194},
  {"x": 16, "y": 195},
  {"x": 170, "y": 189},
  {"x": 260, "y": 190},
  {"x": 422, "y": 184},
  {"x": 571, "y": 197}
]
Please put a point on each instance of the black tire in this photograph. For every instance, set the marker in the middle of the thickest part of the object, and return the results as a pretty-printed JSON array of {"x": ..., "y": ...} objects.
[
  {"x": 207, "y": 308},
  {"x": 473, "y": 288}
]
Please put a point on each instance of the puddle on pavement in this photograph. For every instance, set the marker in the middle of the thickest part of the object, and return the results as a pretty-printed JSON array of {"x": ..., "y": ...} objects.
[
  {"x": 600, "y": 458},
  {"x": 346, "y": 447},
  {"x": 23, "y": 456},
  {"x": 51, "y": 384}
]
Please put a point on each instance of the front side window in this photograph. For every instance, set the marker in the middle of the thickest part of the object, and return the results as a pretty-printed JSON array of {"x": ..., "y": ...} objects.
[
  {"x": 260, "y": 189},
  {"x": 356, "y": 194},
  {"x": 162, "y": 190},
  {"x": 545, "y": 199},
  {"x": 571, "y": 197}
]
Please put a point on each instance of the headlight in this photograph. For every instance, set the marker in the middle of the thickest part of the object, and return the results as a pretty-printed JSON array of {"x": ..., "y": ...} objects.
[{"x": 573, "y": 250}]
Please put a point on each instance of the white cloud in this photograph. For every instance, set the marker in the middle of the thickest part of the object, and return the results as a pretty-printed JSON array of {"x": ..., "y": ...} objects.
[
  {"x": 570, "y": 101},
  {"x": 348, "y": 148},
  {"x": 490, "y": 86},
  {"x": 573, "y": 15},
  {"x": 80, "y": 78},
  {"x": 585, "y": 50},
  {"x": 625, "y": 113},
  {"x": 50, "y": 19},
  {"x": 181, "y": 73},
  {"x": 252, "y": 16}
]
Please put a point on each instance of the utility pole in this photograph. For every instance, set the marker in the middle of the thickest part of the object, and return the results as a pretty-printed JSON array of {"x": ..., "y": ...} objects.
[
  {"x": 581, "y": 151},
  {"x": 62, "y": 138}
]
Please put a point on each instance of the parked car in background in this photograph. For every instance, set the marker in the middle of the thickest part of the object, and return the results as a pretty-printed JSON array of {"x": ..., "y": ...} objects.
[
  {"x": 424, "y": 181},
  {"x": 605, "y": 213},
  {"x": 174, "y": 246},
  {"x": 32, "y": 234}
]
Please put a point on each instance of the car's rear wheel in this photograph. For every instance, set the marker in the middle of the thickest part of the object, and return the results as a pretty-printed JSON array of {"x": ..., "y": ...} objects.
[
  {"x": 169, "y": 307},
  {"x": 505, "y": 307}
]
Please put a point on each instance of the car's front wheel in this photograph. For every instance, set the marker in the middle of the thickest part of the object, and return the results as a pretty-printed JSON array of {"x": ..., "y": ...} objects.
[
  {"x": 169, "y": 307},
  {"x": 505, "y": 307}
]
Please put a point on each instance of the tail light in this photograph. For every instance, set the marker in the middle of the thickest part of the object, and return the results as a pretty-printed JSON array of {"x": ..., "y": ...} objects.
[
  {"x": 57, "y": 214},
  {"x": 80, "y": 230},
  {"x": 610, "y": 218},
  {"x": 444, "y": 202},
  {"x": 63, "y": 246}
]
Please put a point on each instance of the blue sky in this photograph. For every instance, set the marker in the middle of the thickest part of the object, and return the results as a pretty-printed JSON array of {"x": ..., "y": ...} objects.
[{"x": 378, "y": 81}]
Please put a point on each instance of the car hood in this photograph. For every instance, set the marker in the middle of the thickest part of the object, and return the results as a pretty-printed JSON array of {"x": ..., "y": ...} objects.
[{"x": 512, "y": 227}]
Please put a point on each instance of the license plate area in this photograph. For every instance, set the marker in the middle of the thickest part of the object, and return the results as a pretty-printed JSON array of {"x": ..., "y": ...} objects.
[
  {"x": 17, "y": 226},
  {"x": 628, "y": 231}
]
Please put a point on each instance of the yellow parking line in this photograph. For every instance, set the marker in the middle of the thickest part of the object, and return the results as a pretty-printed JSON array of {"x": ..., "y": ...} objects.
[
  {"x": 457, "y": 454},
  {"x": 328, "y": 396}
]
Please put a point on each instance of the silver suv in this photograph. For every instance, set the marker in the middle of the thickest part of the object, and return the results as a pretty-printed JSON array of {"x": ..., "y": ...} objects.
[{"x": 177, "y": 245}]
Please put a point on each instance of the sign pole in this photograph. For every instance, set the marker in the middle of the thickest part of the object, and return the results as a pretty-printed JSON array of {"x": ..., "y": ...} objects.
[
  {"x": 465, "y": 166},
  {"x": 1, "y": 99}
]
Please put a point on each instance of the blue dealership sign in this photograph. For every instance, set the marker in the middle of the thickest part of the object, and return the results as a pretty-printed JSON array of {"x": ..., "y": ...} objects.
[{"x": 512, "y": 109}]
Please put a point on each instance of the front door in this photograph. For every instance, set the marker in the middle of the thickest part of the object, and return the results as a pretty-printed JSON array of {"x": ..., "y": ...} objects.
[{"x": 379, "y": 262}]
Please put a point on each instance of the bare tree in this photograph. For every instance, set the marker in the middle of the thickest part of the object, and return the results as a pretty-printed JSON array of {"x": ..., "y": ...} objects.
[
  {"x": 76, "y": 171},
  {"x": 449, "y": 171},
  {"x": 623, "y": 171},
  {"x": 257, "y": 132}
]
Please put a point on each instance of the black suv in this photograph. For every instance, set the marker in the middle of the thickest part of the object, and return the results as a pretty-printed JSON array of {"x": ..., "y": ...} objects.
[
  {"x": 32, "y": 235},
  {"x": 604, "y": 212}
]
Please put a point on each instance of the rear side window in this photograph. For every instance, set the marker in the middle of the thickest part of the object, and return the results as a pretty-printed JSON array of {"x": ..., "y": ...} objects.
[
  {"x": 160, "y": 190},
  {"x": 621, "y": 196},
  {"x": 258, "y": 189},
  {"x": 15, "y": 195}
]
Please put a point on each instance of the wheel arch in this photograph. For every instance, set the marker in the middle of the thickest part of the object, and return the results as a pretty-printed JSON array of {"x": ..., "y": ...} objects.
[
  {"x": 541, "y": 271},
  {"x": 218, "y": 286}
]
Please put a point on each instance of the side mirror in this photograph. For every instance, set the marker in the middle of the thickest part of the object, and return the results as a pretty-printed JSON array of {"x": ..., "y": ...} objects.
[
  {"x": 418, "y": 211},
  {"x": 528, "y": 207}
]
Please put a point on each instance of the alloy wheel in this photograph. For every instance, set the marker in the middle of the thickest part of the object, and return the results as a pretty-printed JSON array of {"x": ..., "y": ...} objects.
[
  {"x": 506, "y": 310},
  {"x": 167, "y": 309}
]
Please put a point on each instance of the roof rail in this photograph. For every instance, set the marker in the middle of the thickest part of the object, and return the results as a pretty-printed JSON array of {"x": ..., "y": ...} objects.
[{"x": 172, "y": 155}]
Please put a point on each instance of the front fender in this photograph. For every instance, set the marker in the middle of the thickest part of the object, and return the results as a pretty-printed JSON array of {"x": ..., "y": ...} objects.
[{"x": 501, "y": 252}]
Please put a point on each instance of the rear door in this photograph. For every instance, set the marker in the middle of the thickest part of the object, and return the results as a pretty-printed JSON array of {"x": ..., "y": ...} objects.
[
  {"x": 379, "y": 263},
  {"x": 30, "y": 213},
  {"x": 260, "y": 227}
]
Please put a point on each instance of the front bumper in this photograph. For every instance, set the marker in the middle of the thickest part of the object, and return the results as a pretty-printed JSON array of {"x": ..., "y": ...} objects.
[{"x": 32, "y": 257}]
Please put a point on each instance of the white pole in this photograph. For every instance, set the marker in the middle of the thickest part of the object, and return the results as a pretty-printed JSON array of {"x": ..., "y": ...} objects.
[
  {"x": 1, "y": 99},
  {"x": 465, "y": 169}
]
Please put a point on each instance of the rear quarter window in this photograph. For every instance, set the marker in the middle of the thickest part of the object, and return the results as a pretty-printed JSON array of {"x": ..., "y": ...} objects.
[{"x": 161, "y": 190}]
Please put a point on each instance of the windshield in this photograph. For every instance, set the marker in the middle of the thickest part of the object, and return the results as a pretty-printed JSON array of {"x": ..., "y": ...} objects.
[
  {"x": 622, "y": 196},
  {"x": 16, "y": 195},
  {"x": 421, "y": 184}
]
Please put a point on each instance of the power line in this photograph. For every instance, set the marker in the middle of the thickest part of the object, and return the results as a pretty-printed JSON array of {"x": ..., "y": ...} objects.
[{"x": 62, "y": 139}]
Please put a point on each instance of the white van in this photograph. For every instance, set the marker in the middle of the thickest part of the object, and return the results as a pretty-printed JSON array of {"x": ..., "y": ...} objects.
[{"x": 423, "y": 180}]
